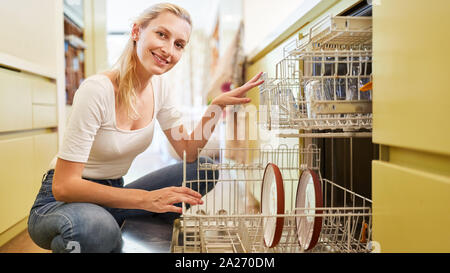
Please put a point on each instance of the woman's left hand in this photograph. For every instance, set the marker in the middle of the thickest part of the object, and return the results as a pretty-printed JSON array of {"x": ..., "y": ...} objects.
[{"x": 235, "y": 96}]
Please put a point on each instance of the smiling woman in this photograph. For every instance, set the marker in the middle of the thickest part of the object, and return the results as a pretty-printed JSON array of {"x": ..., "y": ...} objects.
[
  {"x": 83, "y": 200},
  {"x": 151, "y": 32}
]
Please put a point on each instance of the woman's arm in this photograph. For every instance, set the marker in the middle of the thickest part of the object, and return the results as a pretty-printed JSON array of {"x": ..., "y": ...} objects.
[
  {"x": 68, "y": 186},
  {"x": 182, "y": 141}
]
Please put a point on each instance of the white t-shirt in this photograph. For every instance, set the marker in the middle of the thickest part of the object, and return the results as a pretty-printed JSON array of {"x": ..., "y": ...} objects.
[{"x": 92, "y": 136}]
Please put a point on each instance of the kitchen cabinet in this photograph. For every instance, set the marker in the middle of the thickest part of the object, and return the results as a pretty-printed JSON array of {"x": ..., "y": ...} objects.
[
  {"x": 411, "y": 101},
  {"x": 15, "y": 101},
  {"x": 31, "y": 112},
  {"x": 34, "y": 100},
  {"x": 44, "y": 116},
  {"x": 28, "y": 141},
  {"x": 31, "y": 45},
  {"x": 44, "y": 91},
  {"x": 23, "y": 162},
  {"x": 411, "y": 107},
  {"x": 16, "y": 167},
  {"x": 410, "y": 209}
]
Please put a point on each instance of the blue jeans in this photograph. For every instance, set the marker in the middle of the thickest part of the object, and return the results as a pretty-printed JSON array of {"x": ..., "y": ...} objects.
[{"x": 86, "y": 227}]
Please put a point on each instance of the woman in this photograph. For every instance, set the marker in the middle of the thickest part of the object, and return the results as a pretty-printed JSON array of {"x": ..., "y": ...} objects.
[{"x": 82, "y": 201}]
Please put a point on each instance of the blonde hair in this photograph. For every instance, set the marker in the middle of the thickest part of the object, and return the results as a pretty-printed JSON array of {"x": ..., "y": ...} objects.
[{"x": 126, "y": 78}]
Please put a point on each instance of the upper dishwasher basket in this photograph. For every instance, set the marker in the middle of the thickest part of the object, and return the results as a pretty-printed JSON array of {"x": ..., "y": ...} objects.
[
  {"x": 342, "y": 32},
  {"x": 317, "y": 85}
]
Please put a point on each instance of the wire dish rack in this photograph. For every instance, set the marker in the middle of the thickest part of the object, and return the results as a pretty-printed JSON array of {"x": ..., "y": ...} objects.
[
  {"x": 340, "y": 32},
  {"x": 228, "y": 223},
  {"x": 317, "y": 85}
]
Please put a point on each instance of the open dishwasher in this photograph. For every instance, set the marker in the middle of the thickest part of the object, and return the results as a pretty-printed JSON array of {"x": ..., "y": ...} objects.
[{"x": 317, "y": 91}]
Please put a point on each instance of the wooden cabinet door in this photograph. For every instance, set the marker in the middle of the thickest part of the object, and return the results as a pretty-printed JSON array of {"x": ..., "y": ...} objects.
[
  {"x": 16, "y": 185},
  {"x": 15, "y": 101},
  {"x": 411, "y": 110},
  {"x": 411, "y": 98}
]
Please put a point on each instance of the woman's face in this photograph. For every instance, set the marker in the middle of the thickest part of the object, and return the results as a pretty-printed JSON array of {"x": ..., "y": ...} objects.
[{"x": 159, "y": 46}]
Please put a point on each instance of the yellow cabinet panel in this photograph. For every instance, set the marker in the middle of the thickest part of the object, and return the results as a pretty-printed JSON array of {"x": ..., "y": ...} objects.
[
  {"x": 16, "y": 167},
  {"x": 411, "y": 211},
  {"x": 34, "y": 38},
  {"x": 15, "y": 101},
  {"x": 45, "y": 148},
  {"x": 44, "y": 91},
  {"x": 44, "y": 116},
  {"x": 411, "y": 101}
]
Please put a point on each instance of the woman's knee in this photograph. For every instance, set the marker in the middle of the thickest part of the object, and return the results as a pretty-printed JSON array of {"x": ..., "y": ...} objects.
[
  {"x": 77, "y": 227},
  {"x": 96, "y": 230}
]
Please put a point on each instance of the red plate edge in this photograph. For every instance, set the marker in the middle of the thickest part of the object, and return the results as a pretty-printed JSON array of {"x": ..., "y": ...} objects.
[
  {"x": 319, "y": 203},
  {"x": 280, "y": 204}
]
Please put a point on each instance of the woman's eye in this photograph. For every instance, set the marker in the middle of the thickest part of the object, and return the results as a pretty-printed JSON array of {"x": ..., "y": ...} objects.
[
  {"x": 179, "y": 45},
  {"x": 161, "y": 34}
]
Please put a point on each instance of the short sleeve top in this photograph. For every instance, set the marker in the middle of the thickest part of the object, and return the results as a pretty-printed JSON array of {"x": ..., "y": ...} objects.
[{"x": 93, "y": 138}]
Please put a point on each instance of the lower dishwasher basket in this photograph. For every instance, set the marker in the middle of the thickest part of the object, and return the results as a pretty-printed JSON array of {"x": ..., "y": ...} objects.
[{"x": 225, "y": 224}]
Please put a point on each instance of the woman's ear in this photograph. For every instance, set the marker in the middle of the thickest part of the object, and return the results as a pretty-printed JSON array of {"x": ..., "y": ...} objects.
[{"x": 135, "y": 32}]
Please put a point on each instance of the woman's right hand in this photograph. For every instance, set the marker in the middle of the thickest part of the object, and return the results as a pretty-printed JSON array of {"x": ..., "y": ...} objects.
[
  {"x": 235, "y": 97},
  {"x": 163, "y": 200}
]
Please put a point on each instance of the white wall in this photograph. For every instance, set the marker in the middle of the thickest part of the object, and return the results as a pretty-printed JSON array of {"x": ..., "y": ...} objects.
[
  {"x": 230, "y": 16},
  {"x": 122, "y": 12},
  {"x": 262, "y": 17}
]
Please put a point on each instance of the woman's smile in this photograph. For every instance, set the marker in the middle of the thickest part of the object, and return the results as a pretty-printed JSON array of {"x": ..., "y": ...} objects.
[{"x": 160, "y": 60}]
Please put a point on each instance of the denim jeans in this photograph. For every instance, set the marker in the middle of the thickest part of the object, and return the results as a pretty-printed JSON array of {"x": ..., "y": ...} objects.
[{"x": 85, "y": 227}]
